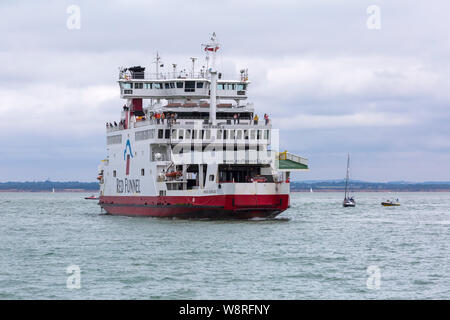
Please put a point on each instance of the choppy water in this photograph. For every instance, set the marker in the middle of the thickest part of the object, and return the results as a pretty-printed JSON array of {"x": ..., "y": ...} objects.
[{"x": 316, "y": 250}]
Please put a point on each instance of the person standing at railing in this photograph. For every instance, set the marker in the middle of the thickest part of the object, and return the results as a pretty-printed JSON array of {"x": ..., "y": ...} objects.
[
  {"x": 266, "y": 118},
  {"x": 255, "y": 119},
  {"x": 163, "y": 116},
  {"x": 158, "y": 116},
  {"x": 235, "y": 118}
]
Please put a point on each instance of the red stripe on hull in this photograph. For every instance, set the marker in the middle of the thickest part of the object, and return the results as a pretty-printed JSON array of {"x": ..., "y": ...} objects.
[{"x": 215, "y": 207}]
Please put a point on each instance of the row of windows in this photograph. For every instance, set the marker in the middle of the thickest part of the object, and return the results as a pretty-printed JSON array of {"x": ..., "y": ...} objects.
[
  {"x": 206, "y": 134},
  {"x": 189, "y": 86},
  {"x": 144, "y": 135},
  {"x": 117, "y": 139}
]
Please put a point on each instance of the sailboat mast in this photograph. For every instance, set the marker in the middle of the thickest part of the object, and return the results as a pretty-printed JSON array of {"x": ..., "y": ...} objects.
[{"x": 346, "y": 179}]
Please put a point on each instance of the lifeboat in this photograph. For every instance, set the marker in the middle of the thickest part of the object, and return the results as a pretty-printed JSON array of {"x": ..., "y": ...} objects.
[{"x": 173, "y": 174}]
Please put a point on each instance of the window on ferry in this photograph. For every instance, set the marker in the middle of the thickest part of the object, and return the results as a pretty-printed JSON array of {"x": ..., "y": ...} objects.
[
  {"x": 194, "y": 134},
  {"x": 180, "y": 134},
  {"x": 202, "y": 134},
  {"x": 225, "y": 134},
  {"x": 220, "y": 86},
  {"x": 138, "y": 85},
  {"x": 208, "y": 134},
  {"x": 188, "y": 133},
  {"x": 166, "y": 85},
  {"x": 127, "y": 85},
  {"x": 219, "y": 134},
  {"x": 142, "y": 172},
  {"x": 114, "y": 173},
  {"x": 167, "y": 134},
  {"x": 172, "y": 85},
  {"x": 199, "y": 85},
  {"x": 266, "y": 134},
  {"x": 240, "y": 86},
  {"x": 174, "y": 133},
  {"x": 246, "y": 134},
  {"x": 211, "y": 177},
  {"x": 259, "y": 135},
  {"x": 252, "y": 134},
  {"x": 239, "y": 134},
  {"x": 180, "y": 85},
  {"x": 148, "y": 86},
  {"x": 157, "y": 86},
  {"x": 189, "y": 86},
  {"x": 160, "y": 133}
]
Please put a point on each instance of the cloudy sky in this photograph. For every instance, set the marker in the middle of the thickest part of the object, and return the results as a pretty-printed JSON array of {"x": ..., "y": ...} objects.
[{"x": 330, "y": 83}]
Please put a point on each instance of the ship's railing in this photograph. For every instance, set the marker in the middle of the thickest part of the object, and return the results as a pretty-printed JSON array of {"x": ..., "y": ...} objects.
[
  {"x": 178, "y": 75},
  {"x": 289, "y": 156}
]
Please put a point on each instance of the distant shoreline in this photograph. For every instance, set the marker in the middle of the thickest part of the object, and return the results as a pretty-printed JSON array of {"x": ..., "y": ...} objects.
[{"x": 371, "y": 191}]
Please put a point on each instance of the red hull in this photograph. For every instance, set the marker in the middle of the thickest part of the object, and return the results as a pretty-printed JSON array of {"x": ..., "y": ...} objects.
[{"x": 211, "y": 207}]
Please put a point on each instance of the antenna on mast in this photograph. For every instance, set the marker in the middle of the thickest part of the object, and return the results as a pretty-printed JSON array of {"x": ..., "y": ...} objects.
[
  {"x": 193, "y": 66},
  {"x": 213, "y": 47},
  {"x": 158, "y": 64},
  {"x": 174, "y": 65}
]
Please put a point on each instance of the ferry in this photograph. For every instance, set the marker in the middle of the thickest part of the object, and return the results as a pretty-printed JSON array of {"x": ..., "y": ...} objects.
[{"x": 189, "y": 145}]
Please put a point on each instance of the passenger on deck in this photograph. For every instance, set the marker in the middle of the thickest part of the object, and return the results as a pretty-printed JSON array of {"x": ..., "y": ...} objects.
[
  {"x": 234, "y": 118},
  {"x": 163, "y": 116},
  {"x": 266, "y": 118},
  {"x": 158, "y": 117},
  {"x": 255, "y": 119},
  {"x": 107, "y": 125},
  {"x": 115, "y": 124},
  {"x": 175, "y": 117}
]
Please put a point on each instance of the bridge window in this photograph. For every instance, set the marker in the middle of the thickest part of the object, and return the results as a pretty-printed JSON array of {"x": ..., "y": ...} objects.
[
  {"x": 127, "y": 85},
  {"x": 148, "y": 86},
  {"x": 166, "y": 85},
  {"x": 138, "y": 85},
  {"x": 157, "y": 86},
  {"x": 180, "y": 85},
  {"x": 220, "y": 86},
  {"x": 189, "y": 86},
  {"x": 199, "y": 85}
]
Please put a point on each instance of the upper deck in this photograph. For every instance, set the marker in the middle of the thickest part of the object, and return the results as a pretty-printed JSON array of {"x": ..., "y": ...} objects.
[{"x": 182, "y": 86}]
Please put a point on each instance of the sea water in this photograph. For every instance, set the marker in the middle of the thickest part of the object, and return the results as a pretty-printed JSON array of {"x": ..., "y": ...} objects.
[{"x": 60, "y": 246}]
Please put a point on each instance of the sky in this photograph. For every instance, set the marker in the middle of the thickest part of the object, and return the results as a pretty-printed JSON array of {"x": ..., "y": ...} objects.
[{"x": 335, "y": 76}]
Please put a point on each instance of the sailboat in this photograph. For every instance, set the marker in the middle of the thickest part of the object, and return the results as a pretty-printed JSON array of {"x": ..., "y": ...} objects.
[{"x": 348, "y": 200}]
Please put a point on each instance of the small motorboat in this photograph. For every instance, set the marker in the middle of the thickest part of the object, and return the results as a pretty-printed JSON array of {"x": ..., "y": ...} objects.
[
  {"x": 92, "y": 197},
  {"x": 390, "y": 203}
]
